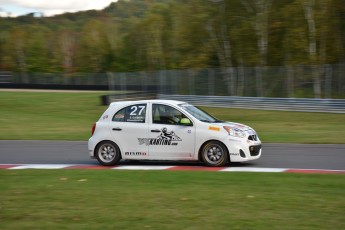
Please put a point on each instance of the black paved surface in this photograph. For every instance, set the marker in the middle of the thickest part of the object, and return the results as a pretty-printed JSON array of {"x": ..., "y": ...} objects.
[{"x": 306, "y": 156}]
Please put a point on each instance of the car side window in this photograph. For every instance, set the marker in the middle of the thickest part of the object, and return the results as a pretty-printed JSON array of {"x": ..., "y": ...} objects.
[
  {"x": 164, "y": 114},
  {"x": 132, "y": 113}
]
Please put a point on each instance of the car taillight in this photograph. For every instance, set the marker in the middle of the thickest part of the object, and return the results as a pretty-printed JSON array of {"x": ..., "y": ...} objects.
[{"x": 93, "y": 128}]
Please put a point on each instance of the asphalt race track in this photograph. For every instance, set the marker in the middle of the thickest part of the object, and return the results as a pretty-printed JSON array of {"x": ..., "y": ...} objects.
[{"x": 302, "y": 156}]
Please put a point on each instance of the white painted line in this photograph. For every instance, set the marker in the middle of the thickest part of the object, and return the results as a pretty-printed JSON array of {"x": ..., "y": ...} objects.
[
  {"x": 41, "y": 166},
  {"x": 158, "y": 167},
  {"x": 327, "y": 170},
  {"x": 250, "y": 169},
  {"x": 144, "y": 167}
]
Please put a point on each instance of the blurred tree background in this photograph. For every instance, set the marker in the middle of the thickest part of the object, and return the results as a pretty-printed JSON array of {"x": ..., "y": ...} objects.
[{"x": 149, "y": 35}]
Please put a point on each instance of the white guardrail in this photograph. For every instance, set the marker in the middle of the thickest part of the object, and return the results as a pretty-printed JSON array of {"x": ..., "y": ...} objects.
[{"x": 265, "y": 103}]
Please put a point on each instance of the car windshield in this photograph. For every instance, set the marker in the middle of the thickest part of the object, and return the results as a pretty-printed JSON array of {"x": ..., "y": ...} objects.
[{"x": 199, "y": 113}]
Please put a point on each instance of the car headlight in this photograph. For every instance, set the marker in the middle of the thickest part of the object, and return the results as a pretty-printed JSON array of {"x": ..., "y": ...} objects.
[{"x": 234, "y": 131}]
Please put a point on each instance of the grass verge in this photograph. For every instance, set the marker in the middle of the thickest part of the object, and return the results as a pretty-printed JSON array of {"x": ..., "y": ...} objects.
[
  {"x": 48, "y": 116},
  {"x": 69, "y": 116},
  {"x": 84, "y": 199}
]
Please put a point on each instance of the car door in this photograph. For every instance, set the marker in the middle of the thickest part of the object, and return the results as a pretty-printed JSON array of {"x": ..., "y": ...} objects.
[
  {"x": 128, "y": 125},
  {"x": 168, "y": 138}
]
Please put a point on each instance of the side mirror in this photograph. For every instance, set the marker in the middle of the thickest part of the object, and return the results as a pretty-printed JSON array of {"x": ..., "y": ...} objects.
[{"x": 185, "y": 122}]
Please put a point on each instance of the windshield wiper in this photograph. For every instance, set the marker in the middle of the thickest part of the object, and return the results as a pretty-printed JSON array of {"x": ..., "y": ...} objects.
[
  {"x": 218, "y": 121},
  {"x": 207, "y": 121}
]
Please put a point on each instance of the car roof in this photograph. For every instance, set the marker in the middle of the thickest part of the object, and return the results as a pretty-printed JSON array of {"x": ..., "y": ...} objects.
[{"x": 172, "y": 102}]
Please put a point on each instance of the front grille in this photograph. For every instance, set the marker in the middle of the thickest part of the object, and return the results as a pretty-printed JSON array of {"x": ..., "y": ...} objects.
[
  {"x": 254, "y": 150},
  {"x": 253, "y": 138}
]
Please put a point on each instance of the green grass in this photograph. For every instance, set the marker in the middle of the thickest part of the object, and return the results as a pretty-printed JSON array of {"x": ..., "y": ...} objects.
[
  {"x": 69, "y": 116},
  {"x": 109, "y": 199},
  {"x": 289, "y": 127},
  {"x": 48, "y": 116}
]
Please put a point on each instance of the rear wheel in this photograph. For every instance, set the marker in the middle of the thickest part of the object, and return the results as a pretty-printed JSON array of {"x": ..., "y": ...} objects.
[
  {"x": 108, "y": 153},
  {"x": 214, "y": 154}
]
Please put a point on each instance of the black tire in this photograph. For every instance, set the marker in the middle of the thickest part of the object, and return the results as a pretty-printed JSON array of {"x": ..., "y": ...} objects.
[
  {"x": 108, "y": 153},
  {"x": 214, "y": 154}
]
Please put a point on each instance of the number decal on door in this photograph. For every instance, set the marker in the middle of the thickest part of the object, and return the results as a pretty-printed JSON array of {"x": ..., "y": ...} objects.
[
  {"x": 134, "y": 110},
  {"x": 134, "y": 113}
]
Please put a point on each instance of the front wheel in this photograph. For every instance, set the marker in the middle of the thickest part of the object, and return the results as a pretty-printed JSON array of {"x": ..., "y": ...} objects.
[
  {"x": 214, "y": 154},
  {"x": 108, "y": 153}
]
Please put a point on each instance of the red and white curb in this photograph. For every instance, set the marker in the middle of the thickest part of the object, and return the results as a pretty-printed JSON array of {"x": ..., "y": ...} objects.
[{"x": 171, "y": 168}]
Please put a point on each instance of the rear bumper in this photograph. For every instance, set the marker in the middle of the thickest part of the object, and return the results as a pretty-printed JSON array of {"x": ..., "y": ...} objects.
[{"x": 91, "y": 145}]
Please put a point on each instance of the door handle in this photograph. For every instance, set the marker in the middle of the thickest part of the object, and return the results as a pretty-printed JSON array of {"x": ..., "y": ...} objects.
[
  {"x": 117, "y": 129},
  {"x": 155, "y": 131}
]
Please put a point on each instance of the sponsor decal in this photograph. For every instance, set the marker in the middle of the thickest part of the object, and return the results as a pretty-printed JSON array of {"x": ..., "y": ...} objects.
[
  {"x": 234, "y": 154},
  {"x": 105, "y": 117},
  {"x": 135, "y": 153},
  {"x": 234, "y": 140},
  {"x": 164, "y": 138},
  {"x": 136, "y": 119},
  {"x": 119, "y": 116},
  {"x": 214, "y": 128}
]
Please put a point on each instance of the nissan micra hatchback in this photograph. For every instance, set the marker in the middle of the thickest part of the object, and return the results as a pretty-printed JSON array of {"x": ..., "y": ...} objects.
[{"x": 169, "y": 130}]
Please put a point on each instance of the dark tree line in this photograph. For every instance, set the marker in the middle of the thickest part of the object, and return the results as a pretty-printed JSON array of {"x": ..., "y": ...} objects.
[{"x": 148, "y": 35}]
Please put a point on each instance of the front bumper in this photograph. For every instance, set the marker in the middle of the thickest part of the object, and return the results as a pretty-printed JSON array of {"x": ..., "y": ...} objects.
[{"x": 243, "y": 149}]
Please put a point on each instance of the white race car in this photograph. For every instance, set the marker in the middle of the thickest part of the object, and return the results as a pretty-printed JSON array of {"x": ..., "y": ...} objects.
[{"x": 169, "y": 130}]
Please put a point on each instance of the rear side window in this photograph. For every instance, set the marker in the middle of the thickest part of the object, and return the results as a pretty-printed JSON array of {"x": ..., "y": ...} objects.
[{"x": 133, "y": 113}]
